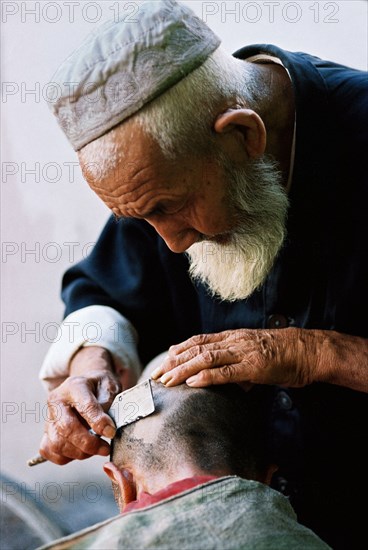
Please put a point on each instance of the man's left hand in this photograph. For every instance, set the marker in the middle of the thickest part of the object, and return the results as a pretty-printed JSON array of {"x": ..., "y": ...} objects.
[
  {"x": 292, "y": 357},
  {"x": 285, "y": 357}
]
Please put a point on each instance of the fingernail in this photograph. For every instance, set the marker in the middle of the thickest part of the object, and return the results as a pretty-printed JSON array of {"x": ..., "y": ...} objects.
[
  {"x": 165, "y": 378},
  {"x": 192, "y": 380},
  {"x": 109, "y": 432},
  {"x": 156, "y": 373}
]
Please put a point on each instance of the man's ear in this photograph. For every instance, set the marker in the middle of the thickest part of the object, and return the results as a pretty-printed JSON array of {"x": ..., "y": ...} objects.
[
  {"x": 124, "y": 481},
  {"x": 249, "y": 124}
]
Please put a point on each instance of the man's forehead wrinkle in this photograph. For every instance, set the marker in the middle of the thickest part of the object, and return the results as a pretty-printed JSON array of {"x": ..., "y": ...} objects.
[
  {"x": 137, "y": 202},
  {"x": 154, "y": 172},
  {"x": 129, "y": 189},
  {"x": 124, "y": 174},
  {"x": 116, "y": 192}
]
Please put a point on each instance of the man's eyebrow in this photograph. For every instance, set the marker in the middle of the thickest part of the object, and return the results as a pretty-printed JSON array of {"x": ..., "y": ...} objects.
[
  {"x": 152, "y": 211},
  {"x": 158, "y": 208}
]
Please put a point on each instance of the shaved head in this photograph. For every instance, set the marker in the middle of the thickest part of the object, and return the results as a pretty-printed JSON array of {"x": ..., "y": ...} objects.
[{"x": 220, "y": 430}]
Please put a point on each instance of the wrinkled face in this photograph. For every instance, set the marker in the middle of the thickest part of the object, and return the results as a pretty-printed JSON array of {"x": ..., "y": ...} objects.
[
  {"x": 231, "y": 217},
  {"x": 184, "y": 201}
]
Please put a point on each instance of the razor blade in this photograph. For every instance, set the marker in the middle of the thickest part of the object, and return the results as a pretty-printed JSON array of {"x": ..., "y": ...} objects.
[{"x": 133, "y": 404}]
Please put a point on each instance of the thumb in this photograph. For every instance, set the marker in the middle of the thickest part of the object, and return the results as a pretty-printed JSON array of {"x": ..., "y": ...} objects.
[{"x": 93, "y": 412}]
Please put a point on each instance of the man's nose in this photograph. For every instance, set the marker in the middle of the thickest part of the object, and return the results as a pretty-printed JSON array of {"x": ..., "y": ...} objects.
[{"x": 177, "y": 236}]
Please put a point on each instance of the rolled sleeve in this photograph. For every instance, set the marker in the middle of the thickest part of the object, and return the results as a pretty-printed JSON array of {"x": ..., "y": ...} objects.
[{"x": 92, "y": 326}]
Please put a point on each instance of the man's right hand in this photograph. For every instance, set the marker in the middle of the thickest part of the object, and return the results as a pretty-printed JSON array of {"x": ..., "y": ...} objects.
[{"x": 78, "y": 404}]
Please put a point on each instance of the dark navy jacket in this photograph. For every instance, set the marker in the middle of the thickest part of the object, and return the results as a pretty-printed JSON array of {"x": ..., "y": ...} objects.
[{"x": 319, "y": 281}]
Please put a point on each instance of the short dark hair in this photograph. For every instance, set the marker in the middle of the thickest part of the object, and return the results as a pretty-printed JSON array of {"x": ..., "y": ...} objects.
[{"x": 218, "y": 428}]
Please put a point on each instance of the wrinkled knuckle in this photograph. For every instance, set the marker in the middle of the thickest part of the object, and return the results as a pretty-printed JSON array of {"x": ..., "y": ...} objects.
[
  {"x": 196, "y": 340},
  {"x": 227, "y": 372},
  {"x": 195, "y": 351},
  {"x": 186, "y": 356},
  {"x": 239, "y": 336},
  {"x": 178, "y": 359},
  {"x": 235, "y": 353},
  {"x": 208, "y": 357},
  {"x": 92, "y": 412}
]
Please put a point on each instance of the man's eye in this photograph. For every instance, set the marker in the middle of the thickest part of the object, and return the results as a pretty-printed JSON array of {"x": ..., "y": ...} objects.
[
  {"x": 157, "y": 211},
  {"x": 169, "y": 209}
]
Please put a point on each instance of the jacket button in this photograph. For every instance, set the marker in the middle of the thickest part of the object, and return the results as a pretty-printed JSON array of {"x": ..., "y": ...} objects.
[
  {"x": 284, "y": 401},
  {"x": 277, "y": 321}
]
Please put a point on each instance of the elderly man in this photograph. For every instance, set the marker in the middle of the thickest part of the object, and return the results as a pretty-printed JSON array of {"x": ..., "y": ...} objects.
[
  {"x": 192, "y": 475},
  {"x": 248, "y": 173}
]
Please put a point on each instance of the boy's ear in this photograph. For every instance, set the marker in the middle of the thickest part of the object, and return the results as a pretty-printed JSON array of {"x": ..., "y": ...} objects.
[{"x": 125, "y": 482}]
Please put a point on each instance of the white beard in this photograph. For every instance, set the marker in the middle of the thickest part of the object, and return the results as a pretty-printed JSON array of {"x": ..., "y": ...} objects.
[{"x": 258, "y": 203}]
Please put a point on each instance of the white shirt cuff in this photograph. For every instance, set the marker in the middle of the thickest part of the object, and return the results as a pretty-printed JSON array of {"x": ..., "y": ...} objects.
[{"x": 92, "y": 326}]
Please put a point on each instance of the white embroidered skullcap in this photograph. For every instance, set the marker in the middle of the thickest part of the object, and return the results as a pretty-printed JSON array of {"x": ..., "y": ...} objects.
[{"x": 123, "y": 65}]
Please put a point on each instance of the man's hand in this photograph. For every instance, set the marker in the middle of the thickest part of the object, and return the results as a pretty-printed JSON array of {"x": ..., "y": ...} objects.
[
  {"x": 78, "y": 404},
  {"x": 290, "y": 357},
  {"x": 279, "y": 357}
]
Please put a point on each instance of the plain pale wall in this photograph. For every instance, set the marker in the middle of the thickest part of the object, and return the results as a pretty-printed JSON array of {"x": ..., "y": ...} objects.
[{"x": 53, "y": 212}]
